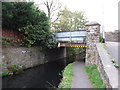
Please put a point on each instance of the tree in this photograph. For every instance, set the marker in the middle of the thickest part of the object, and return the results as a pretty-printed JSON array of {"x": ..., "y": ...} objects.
[
  {"x": 7, "y": 15},
  {"x": 79, "y": 20},
  {"x": 53, "y": 7},
  {"x": 27, "y": 18},
  {"x": 20, "y": 14},
  {"x": 70, "y": 21}
]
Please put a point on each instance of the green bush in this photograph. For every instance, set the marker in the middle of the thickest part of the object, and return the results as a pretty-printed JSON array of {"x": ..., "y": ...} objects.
[
  {"x": 38, "y": 35},
  {"x": 78, "y": 52},
  {"x": 33, "y": 34},
  {"x": 50, "y": 42},
  {"x": 20, "y": 14},
  {"x": 30, "y": 21}
]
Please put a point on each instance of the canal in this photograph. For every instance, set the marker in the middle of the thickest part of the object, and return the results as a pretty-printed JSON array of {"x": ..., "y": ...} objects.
[{"x": 43, "y": 76}]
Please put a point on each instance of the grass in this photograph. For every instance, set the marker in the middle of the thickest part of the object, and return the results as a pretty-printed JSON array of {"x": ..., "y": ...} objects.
[
  {"x": 104, "y": 46},
  {"x": 94, "y": 76},
  {"x": 15, "y": 68},
  {"x": 67, "y": 77},
  {"x": 12, "y": 69},
  {"x": 6, "y": 73}
]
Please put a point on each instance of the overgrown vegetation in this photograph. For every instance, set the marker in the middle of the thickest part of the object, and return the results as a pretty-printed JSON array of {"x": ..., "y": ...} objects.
[
  {"x": 12, "y": 69},
  {"x": 15, "y": 68},
  {"x": 73, "y": 51},
  {"x": 34, "y": 35},
  {"x": 9, "y": 41},
  {"x": 20, "y": 14},
  {"x": 94, "y": 76},
  {"x": 7, "y": 73},
  {"x": 33, "y": 23},
  {"x": 67, "y": 77}
]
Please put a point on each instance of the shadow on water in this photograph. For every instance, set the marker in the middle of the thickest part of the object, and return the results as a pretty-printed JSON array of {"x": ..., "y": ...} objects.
[{"x": 42, "y": 76}]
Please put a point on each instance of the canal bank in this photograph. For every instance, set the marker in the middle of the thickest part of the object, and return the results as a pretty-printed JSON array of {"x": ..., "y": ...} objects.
[{"x": 29, "y": 57}]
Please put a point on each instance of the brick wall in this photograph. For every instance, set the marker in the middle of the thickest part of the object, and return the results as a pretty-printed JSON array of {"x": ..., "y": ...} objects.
[{"x": 11, "y": 33}]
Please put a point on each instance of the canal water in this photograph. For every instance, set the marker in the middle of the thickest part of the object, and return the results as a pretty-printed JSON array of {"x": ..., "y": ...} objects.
[{"x": 43, "y": 76}]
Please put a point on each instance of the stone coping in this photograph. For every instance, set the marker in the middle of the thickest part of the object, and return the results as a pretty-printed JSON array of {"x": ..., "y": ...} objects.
[{"x": 111, "y": 71}]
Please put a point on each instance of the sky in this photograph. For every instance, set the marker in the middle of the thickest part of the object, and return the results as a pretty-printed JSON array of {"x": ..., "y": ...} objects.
[{"x": 104, "y": 12}]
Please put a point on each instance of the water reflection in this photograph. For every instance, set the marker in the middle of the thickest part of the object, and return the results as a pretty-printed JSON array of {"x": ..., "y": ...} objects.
[{"x": 42, "y": 76}]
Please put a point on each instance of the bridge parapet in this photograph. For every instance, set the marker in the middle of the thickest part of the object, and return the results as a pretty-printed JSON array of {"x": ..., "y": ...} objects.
[{"x": 70, "y": 38}]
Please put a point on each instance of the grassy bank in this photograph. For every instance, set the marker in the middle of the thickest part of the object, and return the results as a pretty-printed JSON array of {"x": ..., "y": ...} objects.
[
  {"x": 67, "y": 77},
  {"x": 94, "y": 76}
]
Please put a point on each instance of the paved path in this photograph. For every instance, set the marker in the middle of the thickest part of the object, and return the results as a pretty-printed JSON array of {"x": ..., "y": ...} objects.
[
  {"x": 112, "y": 48},
  {"x": 80, "y": 79}
]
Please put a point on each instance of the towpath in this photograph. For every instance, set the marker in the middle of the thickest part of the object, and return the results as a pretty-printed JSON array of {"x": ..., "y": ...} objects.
[{"x": 80, "y": 79}]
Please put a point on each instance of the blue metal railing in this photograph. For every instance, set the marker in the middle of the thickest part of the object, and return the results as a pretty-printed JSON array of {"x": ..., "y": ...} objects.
[{"x": 71, "y": 36}]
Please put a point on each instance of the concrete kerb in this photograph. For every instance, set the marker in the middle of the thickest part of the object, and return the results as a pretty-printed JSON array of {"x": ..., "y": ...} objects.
[{"x": 108, "y": 72}]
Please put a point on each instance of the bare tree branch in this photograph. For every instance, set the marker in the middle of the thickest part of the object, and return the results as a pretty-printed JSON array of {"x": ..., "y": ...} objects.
[{"x": 52, "y": 6}]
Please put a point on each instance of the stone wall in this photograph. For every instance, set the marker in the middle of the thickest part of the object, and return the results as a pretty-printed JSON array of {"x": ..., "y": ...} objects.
[
  {"x": 107, "y": 70},
  {"x": 92, "y": 37},
  {"x": 29, "y": 57},
  {"x": 112, "y": 36}
]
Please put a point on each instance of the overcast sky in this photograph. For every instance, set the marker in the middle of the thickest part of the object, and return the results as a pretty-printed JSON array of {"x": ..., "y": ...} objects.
[{"x": 104, "y": 12}]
